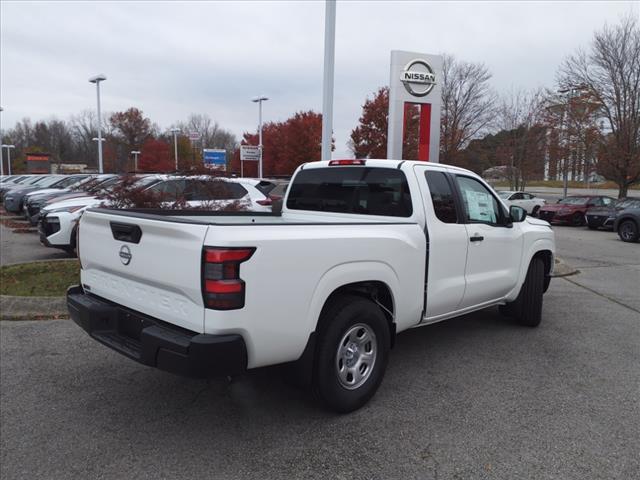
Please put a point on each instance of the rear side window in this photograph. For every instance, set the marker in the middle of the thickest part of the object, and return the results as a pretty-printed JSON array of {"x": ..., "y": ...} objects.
[
  {"x": 361, "y": 190},
  {"x": 442, "y": 197},
  {"x": 265, "y": 187},
  {"x": 204, "y": 190}
]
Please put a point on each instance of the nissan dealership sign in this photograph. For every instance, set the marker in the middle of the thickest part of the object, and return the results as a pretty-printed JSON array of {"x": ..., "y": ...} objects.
[
  {"x": 415, "y": 82},
  {"x": 418, "y": 78}
]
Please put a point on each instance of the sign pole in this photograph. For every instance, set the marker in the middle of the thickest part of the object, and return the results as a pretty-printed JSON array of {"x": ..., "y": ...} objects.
[{"x": 327, "y": 82}]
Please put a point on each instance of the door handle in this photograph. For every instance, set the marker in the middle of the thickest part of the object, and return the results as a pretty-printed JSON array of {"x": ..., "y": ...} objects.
[{"x": 476, "y": 238}]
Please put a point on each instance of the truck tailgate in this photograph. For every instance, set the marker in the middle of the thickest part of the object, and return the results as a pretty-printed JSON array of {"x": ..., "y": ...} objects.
[{"x": 157, "y": 274}]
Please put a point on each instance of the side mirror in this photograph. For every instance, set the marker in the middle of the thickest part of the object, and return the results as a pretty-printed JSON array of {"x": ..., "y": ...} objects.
[{"x": 517, "y": 214}]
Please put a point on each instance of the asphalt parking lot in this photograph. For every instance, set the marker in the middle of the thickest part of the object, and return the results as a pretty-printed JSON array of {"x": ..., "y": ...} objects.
[{"x": 472, "y": 398}]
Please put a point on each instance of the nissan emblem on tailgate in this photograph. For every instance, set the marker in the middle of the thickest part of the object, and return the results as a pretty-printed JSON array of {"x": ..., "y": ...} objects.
[{"x": 125, "y": 255}]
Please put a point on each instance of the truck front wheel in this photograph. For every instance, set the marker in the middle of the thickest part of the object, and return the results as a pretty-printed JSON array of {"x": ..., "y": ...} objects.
[
  {"x": 352, "y": 353},
  {"x": 527, "y": 308}
]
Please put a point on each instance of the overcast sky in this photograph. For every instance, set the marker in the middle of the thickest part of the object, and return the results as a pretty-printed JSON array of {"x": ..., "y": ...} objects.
[{"x": 172, "y": 59}]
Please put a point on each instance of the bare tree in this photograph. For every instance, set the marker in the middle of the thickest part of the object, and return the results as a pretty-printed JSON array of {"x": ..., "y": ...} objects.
[
  {"x": 520, "y": 114},
  {"x": 610, "y": 71},
  {"x": 210, "y": 132},
  {"x": 468, "y": 105}
]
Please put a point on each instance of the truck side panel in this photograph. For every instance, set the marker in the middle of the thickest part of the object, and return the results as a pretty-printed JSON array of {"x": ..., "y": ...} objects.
[{"x": 288, "y": 279}]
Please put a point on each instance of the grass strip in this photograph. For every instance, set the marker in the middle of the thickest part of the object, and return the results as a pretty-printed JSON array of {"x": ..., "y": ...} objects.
[{"x": 39, "y": 279}]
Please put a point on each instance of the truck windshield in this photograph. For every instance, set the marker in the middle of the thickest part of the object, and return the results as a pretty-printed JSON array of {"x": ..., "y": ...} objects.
[{"x": 360, "y": 190}]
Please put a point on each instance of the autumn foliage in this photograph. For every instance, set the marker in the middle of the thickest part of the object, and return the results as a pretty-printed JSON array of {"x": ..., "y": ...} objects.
[
  {"x": 156, "y": 156},
  {"x": 369, "y": 138},
  {"x": 128, "y": 193},
  {"x": 286, "y": 145}
]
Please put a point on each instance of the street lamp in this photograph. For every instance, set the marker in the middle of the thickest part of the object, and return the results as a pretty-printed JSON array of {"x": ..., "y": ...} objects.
[
  {"x": 1, "y": 162},
  {"x": 8, "y": 147},
  {"x": 259, "y": 101},
  {"x": 175, "y": 132},
  {"x": 135, "y": 154},
  {"x": 97, "y": 79}
]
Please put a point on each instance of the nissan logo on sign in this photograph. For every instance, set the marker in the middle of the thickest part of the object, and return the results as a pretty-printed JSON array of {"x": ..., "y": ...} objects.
[{"x": 418, "y": 78}]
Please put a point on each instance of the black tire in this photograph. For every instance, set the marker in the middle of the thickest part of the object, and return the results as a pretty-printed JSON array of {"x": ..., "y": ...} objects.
[
  {"x": 628, "y": 231},
  {"x": 577, "y": 220},
  {"x": 534, "y": 212},
  {"x": 345, "y": 314},
  {"x": 527, "y": 308}
]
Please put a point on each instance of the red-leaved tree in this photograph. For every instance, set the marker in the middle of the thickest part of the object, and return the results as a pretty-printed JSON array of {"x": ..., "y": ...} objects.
[
  {"x": 369, "y": 138},
  {"x": 156, "y": 157},
  {"x": 286, "y": 145}
]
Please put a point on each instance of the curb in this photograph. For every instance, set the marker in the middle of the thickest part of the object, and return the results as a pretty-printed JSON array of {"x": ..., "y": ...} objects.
[
  {"x": 45, "y": 260},
  {"x": 563, "y": 269},
  {"x": 32, "y": 308}
]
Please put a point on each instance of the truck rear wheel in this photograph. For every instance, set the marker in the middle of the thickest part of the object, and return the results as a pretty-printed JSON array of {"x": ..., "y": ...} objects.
[
  {"x": 527, "y": 308},
  {"x": 351, "y": 354}
]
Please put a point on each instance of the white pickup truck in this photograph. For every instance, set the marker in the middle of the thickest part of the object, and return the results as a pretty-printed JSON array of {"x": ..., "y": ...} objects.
[{"x": 362, "y": 250}]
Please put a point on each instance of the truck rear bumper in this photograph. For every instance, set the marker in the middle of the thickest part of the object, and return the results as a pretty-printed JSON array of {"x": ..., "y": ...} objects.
[{"x": 155, "y": 343}]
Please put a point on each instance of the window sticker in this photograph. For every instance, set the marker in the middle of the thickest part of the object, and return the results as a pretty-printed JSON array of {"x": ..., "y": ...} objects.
[{"x": 480, "y": 206}]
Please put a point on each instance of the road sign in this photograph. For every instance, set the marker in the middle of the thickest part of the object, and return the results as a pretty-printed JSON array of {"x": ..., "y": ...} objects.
[
  {"x": 249, "y": 153},
  {"x": 214, "y": 158},
  {"x": 193, "y": 136}
]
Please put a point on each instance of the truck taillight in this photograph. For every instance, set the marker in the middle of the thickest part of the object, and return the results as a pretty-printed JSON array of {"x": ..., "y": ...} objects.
[
  {"x": 222, "y": 287},
  {"x": 267, "y": 202}
]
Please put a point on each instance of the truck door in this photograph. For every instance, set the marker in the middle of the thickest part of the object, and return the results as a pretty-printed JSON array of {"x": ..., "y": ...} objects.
[
  {"x": 447, "y": 242},
  {"x": 495, "y": 245}
]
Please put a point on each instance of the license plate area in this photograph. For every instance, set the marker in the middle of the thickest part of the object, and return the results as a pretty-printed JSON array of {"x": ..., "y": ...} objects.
[{"x": 130, "y": 325}]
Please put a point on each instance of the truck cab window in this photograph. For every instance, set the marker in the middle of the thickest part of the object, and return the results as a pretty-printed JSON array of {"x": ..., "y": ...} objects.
[
  {"x": 442, "y": 196},
  {"x": 360, "y": 190}
]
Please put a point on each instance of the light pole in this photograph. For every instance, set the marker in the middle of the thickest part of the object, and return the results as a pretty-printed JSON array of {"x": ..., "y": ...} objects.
[
  {"x": 97, "y": 79},
  {"x": 99, "y": 140},
  {"x": 9, "y": 147},
  {"x": 1, "y": 162},
  {"x": 259, "y": 101},
  {"x": 327, "y": 81},
  {"x": 175, "y": 132},
  {"x": 135, "y": 154}
]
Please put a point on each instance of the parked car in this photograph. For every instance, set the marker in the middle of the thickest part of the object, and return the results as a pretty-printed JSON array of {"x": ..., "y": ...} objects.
[
  {"x": 572, "y": 210},
  {"x": 18, "y": 182},
  {"x": 14, "y": 198},
  {"x": 363, "y": 250},
  {"x": 525, "y": 200},
  {"x": 63, "y": 186},
  {"x": 85, "y": 187},
  {"x": 604, "y": 217},
  {"x": 58, "y": 220},
  {"x": 215, "y": 192},
  {"x": 627, "y": 223}
]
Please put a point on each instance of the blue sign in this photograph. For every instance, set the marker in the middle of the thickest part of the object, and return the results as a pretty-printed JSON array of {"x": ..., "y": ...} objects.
[{"x": 215, "y": 158}]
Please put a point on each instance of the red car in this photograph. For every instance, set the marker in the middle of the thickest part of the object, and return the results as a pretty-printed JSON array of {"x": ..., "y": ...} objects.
[{"x": 572, "y": 210}]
